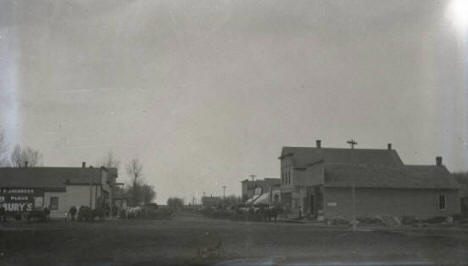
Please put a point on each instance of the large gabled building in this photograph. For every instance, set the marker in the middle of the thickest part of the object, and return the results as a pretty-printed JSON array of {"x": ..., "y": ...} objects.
[
  {"x": 319, "y": 182},
  {"x": 56, "y": 188}
]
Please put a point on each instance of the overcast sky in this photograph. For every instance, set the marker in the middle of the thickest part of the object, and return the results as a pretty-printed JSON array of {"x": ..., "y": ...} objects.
[{"x": 205, "y": 93}]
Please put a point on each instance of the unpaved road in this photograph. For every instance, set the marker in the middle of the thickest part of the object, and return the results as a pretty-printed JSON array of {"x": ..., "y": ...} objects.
[{"x": 194, "y": 240}]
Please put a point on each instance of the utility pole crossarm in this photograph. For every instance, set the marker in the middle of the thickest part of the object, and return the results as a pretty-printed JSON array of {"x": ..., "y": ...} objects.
[{"x": 352, "y": 142}]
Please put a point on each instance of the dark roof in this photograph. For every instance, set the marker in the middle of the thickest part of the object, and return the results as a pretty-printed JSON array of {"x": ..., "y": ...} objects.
[
  {"x": 304, "y": 156},
  {"x": 48, "y": 177},
  {"x": 112, "y": 172},
  {"x": 267, "y": 180},
  {"x": 210, "y": 200},
  {"x": 416, "y": 177}
]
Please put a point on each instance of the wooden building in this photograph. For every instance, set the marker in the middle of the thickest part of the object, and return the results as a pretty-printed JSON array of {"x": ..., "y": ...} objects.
[
  {"x": 57, "y": 188},
  {"x": 332, "y": 182},
  {"x": 250, "y": 188}
]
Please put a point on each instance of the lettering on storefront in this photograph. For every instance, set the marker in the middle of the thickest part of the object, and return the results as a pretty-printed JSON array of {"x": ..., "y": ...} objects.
[
  {"x": 17, "y": 191},
  {"x": 19, "y": 199},
  {"x": 17, "y": 206}
]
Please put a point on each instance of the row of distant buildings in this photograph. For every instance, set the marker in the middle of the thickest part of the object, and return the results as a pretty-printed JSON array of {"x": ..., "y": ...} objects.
[
  {"x": 317, "y": 182},
  {"x": 322, "y": 182}
]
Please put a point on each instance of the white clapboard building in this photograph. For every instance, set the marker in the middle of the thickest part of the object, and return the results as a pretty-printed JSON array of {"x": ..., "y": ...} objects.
[{"x": 56, "y": 188}]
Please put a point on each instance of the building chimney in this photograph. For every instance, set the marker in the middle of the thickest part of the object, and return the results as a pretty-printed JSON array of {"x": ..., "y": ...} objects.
[
  {"x": 318, "y": 143},
  {"x": 389, "y": 146},
  {"x": 26, "y": 164},
  {"x": 439, "y": 160},
  {"x": 83, "y": 164}
]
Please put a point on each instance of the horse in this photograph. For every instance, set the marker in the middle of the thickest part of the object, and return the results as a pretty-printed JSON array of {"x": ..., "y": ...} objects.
[
  {"x": 133, "y": 212},
  {"x": 271, "y": 213}
]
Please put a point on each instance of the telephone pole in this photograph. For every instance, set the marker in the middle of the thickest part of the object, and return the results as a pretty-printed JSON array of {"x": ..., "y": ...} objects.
[
  {"x": 224, "y": 191},
  {"x": 352, "y": 142}
]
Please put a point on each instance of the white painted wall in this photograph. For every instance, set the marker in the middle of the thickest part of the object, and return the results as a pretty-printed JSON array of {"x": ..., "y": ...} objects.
[{"x": 75, "y": 195}]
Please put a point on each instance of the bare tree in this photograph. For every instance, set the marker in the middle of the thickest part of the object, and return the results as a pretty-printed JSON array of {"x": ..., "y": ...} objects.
[
  {"x": 3, "y": 149},
  {"x": 231, "y": 200},
  {"x": 148, "y": 193},
  {"x": 135, "y": 172},
  {"x": 21, "y": 155},
  {"x": 109, "y": 161}
]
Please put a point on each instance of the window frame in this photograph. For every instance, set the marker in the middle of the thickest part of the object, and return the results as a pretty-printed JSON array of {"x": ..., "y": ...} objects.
[
  {"x": 442, "y": 200},
  {"x": 54, "y": 206}
]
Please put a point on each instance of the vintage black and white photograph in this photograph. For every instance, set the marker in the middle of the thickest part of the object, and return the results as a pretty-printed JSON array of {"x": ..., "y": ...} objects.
[{"x": 233, "y": 132}]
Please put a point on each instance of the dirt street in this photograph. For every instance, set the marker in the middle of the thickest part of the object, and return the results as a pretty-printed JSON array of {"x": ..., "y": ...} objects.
[{"x": 194, "y": 240}]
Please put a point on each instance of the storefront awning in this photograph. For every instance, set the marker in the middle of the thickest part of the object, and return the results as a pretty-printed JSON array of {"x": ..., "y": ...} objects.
[{"x": 262, "y": 199}]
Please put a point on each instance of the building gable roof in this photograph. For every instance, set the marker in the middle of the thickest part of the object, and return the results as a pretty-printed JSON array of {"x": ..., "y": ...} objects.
[
  {"x": 303, "y": 156},
  {"x": 49, "y": 177},
  {"x": 408, "y": 176}
]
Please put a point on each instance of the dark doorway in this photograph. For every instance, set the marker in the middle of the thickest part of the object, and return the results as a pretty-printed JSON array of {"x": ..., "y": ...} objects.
[{"x": 312, "y": 206}]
